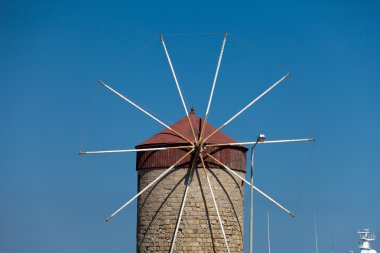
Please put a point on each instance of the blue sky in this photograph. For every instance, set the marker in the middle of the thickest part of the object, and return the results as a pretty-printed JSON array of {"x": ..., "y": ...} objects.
[{"x": 53, "y": 53}]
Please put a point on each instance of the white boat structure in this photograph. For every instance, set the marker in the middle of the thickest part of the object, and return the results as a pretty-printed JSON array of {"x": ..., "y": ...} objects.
[{"x": 366, "y": 238}]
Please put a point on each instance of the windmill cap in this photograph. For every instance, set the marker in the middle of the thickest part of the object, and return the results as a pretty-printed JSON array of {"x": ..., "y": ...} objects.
[{"x": 168, "y": 137}]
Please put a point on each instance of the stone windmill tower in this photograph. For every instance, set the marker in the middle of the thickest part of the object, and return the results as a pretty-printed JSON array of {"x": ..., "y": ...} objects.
[
  {"x": 190, "y": 181},
  {"x": 158, "y": 208}
]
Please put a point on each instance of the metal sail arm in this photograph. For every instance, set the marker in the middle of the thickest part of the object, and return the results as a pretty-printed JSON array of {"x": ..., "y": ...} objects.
[
  {"x": 130, "y": 150},
  {"x": 149, "y": 185},
  {"x": 144, "y": 111},
  {"x": 213, "y": 85},
  {"x": 247, "y": 106},
  {"x": 172, "y": 246},
  {"x": 187, "y": 182},
  {"x": 261, "y": 142},
  {"x": 254, "y": 187},
  {"x": 215, "y": 204},
  {"x": 178, "y": 87}
]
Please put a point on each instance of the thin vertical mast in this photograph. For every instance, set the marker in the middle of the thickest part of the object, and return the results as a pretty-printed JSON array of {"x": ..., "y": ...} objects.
[
  {"x": 268, "y": 233},
  {"x": 315, "y": 232}
]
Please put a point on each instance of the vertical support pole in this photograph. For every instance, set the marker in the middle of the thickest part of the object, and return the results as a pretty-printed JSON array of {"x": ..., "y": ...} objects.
[
  {"x": 251, "y": 204},
  {"x": 268, "y": 233},
  {"x": 315, "y": 232}
]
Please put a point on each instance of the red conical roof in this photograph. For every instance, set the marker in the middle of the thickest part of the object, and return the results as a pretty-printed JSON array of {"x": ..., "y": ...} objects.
[{"x": 182, "y": 126}]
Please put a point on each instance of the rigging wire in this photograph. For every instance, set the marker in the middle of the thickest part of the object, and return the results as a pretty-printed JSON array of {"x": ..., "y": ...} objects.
[
  {"x": 254, "y": 51},
  {"x": 306, "y": 172},
  {"x": 305, "y": 115},
  {"x": 259, "y": 54},
  {"x": 88, "y": 116},
  {"x": 309, "y": 125},
  {"x": 131, "y": 57},
  {"x": 98, "y": 202},
  {"x": 194, "y": 34},
  {"x": 302, "y": 105},
  {"x": 139, "y": 51}
]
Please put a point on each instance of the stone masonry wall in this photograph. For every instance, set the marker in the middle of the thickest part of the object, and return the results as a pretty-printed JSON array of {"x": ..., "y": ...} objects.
[{"x": 158, "y": 210}]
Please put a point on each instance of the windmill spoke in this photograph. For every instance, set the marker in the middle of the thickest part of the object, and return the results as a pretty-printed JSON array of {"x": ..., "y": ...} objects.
[
  {"x": 254, "y": 187},
  {"x": 247, "y": 106},
  {"x": 261, "y": 142},
  {"x": 188, "y": 182},
  {"x": 213, "y": 84},
  {"x": 130, "y": 150},
  {"x": 149, "y": 185},
  {"x": 144, "y": 111},
  {"x": 181, "y": 210},
  {"x": 178, "y": 87},
  {"x": 215, "y": 204}
]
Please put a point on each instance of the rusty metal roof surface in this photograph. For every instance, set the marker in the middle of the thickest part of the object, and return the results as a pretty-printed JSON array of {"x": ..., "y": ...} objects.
[{"x": 183, "y": 127}]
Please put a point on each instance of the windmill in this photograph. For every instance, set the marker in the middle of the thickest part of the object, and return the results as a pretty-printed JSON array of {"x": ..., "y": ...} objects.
[{"x": 199, "y": 150}]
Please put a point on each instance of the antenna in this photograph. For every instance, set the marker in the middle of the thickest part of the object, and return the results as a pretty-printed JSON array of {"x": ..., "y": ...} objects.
[
  {"x": 332, "y": 241},
  {"x": 315, "y": 233},
  {"x": 199, "y": 150}
]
